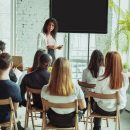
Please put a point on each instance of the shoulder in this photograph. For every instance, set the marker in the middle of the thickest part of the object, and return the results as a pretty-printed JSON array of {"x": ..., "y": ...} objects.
[
  {"x": 125, "y": 78},
  {"x": 12, "y": 85},
  {"x": 42, "y": 35},
  {"x": 125, "y": 75},
  {"x": 86, "y": 71}
]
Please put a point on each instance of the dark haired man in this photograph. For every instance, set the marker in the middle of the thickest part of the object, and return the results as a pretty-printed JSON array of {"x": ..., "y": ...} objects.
[
  {"x": 11, "y": 73},
  {"x": 8, "y": 88},
  {"x": 36, "y": 80}
]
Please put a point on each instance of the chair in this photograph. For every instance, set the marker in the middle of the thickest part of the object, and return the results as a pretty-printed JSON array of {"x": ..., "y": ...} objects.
[
  {"x": 9, "y": 124},
  {"x": 18, "y": 62},
  {"x": 47, "y": 105},
  {"x": 91, "y": 114},
  {"x": 30, "y": 109}
]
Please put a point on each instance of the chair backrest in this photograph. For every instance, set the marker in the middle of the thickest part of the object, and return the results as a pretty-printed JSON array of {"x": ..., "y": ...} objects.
[
  {"x": 47, "y": 105},
  {"x": 31, "y": 91},
  {"x": 18, "y": 62},
  {"x": 105, "y": 96},
  {"x": 91, "y": 115},
  {"x": 9, "y": 102}
]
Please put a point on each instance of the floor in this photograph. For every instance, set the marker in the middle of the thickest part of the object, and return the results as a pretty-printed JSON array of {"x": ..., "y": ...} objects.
[{"x": 125, "y": 121}]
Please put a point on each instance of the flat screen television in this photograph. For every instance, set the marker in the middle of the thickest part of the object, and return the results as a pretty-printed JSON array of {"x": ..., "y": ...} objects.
[{"x": 80, "y": 16}]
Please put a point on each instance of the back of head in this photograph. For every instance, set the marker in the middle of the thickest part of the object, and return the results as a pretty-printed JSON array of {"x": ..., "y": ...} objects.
[
  {"x": 96, "y": 60},
  {"x": 2, "y": 46},
  {"x": 61, "y": 80},
  {"x": 44, "y": 61},
  {"x": 113, "y": 68},
  {"x": 51, "y": 20},
  {"x": 38, "y": 53},
  {"x": 5, "y": 61}
]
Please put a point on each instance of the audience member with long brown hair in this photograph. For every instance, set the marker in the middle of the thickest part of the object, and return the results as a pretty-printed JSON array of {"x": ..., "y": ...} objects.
[
  {"x": 90, "y": 74},
  {"x": 37, "y": 55},
  {"x": 62, "y": 90},
  {"x": 112, "y": 80},
  {"x": 95, "y": 68}
]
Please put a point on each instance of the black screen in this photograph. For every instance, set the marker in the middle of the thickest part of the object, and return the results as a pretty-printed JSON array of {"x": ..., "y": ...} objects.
[{"x": 80, "y": 16}]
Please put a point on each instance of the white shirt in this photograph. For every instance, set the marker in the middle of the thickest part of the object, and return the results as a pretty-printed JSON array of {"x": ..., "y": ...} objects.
[
  {"x": 42, "y": 41},
  {"x": 50, "y": 40},
  {"x": 88, "y": 77},
  {"x": 102, "y": 86},
  {"x": 78, "y": 94}
]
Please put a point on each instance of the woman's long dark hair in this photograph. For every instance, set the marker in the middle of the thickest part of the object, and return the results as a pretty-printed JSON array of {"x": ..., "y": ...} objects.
[
  {"x": 53, "y": 33},
  {"x": 97, "y": 60},
  {"x": 38, "y": 53}
]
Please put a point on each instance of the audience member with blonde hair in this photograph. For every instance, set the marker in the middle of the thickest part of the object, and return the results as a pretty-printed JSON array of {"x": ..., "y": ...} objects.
[
  {"x": 112, "y": 80},
  {"x": 62, "y": 90}
]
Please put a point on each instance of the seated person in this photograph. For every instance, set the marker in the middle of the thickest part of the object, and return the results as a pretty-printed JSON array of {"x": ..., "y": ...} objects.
[
  {"x": 7, "y": 88},
  {"x": 37, "y": 55},
  {"x": 62, "y": 90},
  {"x": 113, "y": 80},
  {"x": 90, "y": 74},
  {"x": 94, "y": 69},
  {"x": 37, "y": 79},
  {"x": 11, "y": 73}
]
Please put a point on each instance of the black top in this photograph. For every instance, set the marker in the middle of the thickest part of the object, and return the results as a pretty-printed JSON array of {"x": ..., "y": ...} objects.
[
  {"x": 8, "y": 89},
  {"x": 36, "y": 80}
]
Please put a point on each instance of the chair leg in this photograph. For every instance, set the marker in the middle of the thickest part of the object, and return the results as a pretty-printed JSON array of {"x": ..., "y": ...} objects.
[
  {"x": 35, "y": 116},
  {"x": 15, "y": 124},
  {"x": 119, "y": 122},
  {"x": 107, "y": 122},
  {"x": 32, "y": 120},
  {"x": 87, "y": 123},
  {"x": 26, "y": 120},
  {"x": 116, "y": 127},
  {"x": 91, "y": 123}
]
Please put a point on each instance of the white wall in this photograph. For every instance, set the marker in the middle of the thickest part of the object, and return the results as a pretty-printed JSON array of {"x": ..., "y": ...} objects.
[
  {"x": 5, "y": 22},
  {"x": 30, "y": 17}
]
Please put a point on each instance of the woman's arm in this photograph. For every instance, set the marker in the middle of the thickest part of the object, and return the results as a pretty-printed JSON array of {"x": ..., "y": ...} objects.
[
  {"x": 81, "y": 103},
  {"x": 55, "y": 46},
  {"x": 85, "y": 84},
  {"x": 41, "y": 41}
]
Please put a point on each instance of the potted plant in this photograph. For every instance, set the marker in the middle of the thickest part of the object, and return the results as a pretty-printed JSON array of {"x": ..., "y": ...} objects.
[
  {"x": 125, "y": 67},
  {"x": 123, "y": 27},
  {"x": 122, "y": 32}
]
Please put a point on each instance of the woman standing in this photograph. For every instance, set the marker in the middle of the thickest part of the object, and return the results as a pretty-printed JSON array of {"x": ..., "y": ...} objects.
[
  {"x": 46, "y": 39},
  {"x": 62, "y": 90}
]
